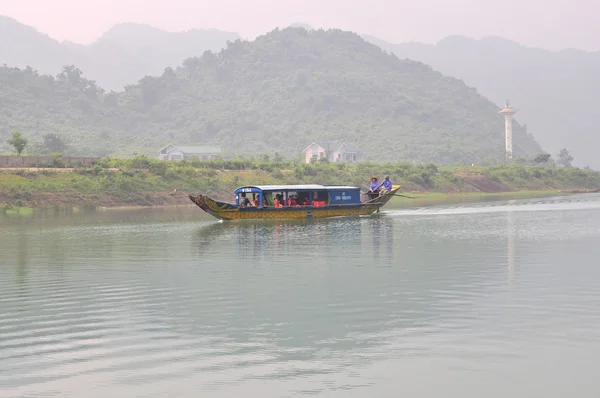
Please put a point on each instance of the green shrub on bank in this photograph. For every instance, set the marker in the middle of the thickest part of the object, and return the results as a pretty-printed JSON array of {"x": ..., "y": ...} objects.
[{"x": 142, "y": 174}]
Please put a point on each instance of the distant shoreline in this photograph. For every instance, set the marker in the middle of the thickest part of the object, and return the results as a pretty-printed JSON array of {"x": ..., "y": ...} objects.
[
  {"x": 146, "y": 182},
  {"x": 420, "y": 199}
]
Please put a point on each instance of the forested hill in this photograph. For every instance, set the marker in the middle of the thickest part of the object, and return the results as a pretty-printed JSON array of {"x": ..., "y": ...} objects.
[
  {"x": 557, "y": 92},
  {"x": 277, "y": 93}
]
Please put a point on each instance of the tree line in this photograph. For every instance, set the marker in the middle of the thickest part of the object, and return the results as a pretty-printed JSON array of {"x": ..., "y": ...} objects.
[{"x": 53, "y": 143}]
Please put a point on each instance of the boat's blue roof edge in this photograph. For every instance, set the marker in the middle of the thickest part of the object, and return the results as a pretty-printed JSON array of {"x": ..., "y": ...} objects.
[{"x": 307, "y": 187}]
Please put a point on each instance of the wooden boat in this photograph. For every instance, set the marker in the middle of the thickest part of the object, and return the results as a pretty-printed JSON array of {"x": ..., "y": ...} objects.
[{"x": 294, "y": 202}]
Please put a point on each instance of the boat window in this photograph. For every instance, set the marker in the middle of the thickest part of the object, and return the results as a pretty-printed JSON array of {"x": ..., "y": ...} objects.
[
  {"x": 292, "y": 199},
  {"x": 320, "y": 198},
  {"x": 268, "y": 199},
  {"x": 303, "y": 198}
]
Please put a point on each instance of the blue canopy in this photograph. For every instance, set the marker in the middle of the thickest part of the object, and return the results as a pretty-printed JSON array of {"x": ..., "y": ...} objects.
[
  {"x": 336, "y": 194},
  {"x": 295, "y": 188}
]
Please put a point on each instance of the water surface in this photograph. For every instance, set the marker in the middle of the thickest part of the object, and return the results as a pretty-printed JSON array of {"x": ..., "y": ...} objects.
[{"x": 493, "y": 299}]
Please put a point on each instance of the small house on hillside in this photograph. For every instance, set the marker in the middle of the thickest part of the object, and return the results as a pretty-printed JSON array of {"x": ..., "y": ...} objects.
[
  {"x": 176, "y": 152},
  {"x": 333, "y": 151}
]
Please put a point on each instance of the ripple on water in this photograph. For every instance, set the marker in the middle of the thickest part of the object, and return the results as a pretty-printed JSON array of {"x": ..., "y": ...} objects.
[{"x": 310, "y": 308}]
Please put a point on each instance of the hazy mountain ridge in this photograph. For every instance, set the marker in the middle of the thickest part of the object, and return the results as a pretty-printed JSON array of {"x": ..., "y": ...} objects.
[
  {"x": 556, "y": 92},
  {"x": 122, "y": 55},
  {"x": 277, "y": 93},
  {"x": 22, "y": 45}
]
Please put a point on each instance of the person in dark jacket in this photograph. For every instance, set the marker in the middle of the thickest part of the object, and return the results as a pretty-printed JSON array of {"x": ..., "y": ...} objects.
[{"x": 245, "y": 201}]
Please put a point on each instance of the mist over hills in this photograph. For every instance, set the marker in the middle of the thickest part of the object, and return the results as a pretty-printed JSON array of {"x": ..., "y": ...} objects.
[
  {"x": 122, "y": 55},
  {"x": 22, "y": 45},
  {"x": 556, "y": 92},
  {"x": 277, "y": 93}
]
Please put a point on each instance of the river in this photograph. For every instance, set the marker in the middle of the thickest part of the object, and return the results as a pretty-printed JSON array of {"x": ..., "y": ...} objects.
[{"x": 498, "y": 299}]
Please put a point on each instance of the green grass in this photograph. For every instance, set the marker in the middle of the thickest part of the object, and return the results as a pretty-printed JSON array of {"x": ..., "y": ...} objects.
[{"x": 16, "y": 211}]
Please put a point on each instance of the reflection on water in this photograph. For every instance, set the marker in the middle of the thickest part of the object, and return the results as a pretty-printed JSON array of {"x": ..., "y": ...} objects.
[
  {"x": 171, "y": 304},
  {"x": 255, "y": 239},
  {"x": 510, "y": 234}
]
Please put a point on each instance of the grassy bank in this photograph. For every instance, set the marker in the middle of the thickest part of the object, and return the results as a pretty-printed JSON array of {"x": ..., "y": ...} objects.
[{"x": 149, "y": 182}]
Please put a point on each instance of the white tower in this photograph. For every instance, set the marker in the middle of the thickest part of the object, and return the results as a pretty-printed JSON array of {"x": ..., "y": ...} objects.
[{"x": 508, "y": 111}]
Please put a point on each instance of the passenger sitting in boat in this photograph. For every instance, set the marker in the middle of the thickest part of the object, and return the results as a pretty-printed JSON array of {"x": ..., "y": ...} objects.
[
  {"x": 245, "y": 201},
  {"x": 386, "y": 184},
  {"x": 256, "y": 201},
  {"x": 278, "y": 201},
  {"x": 293, "y": 200},
  {"x": 374, "y": 188}
]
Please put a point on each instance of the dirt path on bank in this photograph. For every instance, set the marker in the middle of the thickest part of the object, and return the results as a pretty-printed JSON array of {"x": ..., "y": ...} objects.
[
  {"x": 70, "y": 170},
  {"x": 41, "y": 169}
]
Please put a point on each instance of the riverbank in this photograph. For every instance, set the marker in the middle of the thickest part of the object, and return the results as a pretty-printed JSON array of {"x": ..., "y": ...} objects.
[{"x": 147, "y": 182}]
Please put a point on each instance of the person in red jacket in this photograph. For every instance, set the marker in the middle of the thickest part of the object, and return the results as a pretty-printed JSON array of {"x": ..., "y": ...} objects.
[{"x": 278, "y": 201}]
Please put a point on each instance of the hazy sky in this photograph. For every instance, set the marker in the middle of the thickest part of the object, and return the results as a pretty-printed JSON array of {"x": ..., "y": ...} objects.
[{"x": 552, "y": 24}]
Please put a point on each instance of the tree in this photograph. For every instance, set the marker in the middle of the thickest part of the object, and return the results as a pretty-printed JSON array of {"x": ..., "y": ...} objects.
[
  {"x": 18, "y": 142},
  {"x": 564, "y": 158},
  {"x": 541, "y": 158},
  {"x": 53, "y": 143}
]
